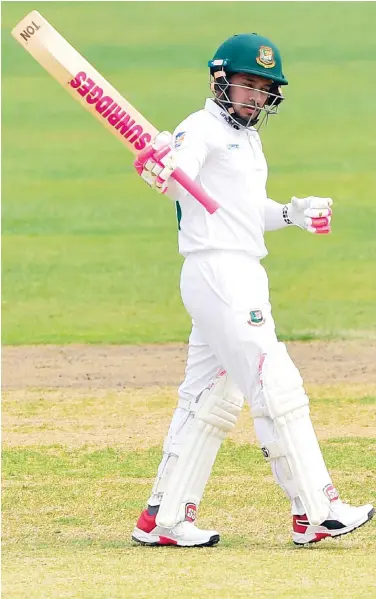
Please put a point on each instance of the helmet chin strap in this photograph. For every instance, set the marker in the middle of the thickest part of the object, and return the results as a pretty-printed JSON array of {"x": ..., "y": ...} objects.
[
  {"x": 220, "y": 85},
  {"x": 229, "y": 107}
]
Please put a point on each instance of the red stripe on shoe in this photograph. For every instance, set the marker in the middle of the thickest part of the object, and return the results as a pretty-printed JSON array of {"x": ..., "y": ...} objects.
[
  {"x": 167, "y": 541},
  {"x": 319, "y": 536}
]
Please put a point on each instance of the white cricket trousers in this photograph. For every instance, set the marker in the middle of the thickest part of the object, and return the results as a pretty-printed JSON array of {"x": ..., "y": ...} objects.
[{"x": 226, "y": 294}]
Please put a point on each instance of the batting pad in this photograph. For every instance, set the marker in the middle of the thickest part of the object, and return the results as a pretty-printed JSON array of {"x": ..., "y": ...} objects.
[
  {"x": 220, "y": 406},
  {"x": 288, "y": 407}
]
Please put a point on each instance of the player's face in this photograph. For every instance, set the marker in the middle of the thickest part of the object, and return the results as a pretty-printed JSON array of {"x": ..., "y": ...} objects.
[{"x": 250, "y": 90}]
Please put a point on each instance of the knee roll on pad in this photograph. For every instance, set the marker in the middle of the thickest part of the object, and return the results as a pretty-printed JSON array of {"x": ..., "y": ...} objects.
[
  {"x": 281, "y": 383},
  {"x": 218, "y": 408}
]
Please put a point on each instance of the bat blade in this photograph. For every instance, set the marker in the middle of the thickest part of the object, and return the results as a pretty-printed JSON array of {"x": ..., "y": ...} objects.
[{"x": 83, "y": 82}]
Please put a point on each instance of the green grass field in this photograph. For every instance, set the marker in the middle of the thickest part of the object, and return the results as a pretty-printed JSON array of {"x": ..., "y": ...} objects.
[
  {"x": 70, "y": 504},
  {"x": 89, "y": 252},
  {"x": 89, "y": 256}
]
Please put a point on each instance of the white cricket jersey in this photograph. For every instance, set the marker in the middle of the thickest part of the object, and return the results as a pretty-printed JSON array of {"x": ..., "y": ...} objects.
[{"x": 230, "y": 166}]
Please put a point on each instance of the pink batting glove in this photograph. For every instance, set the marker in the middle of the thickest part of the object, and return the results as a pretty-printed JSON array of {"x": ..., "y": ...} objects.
[
  {"x": 156, "y": 163},
  {"x": 312, "y": 214}
]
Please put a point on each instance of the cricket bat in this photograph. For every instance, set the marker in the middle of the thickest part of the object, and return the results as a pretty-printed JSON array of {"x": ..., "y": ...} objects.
[{"x": 95, "y": 93}]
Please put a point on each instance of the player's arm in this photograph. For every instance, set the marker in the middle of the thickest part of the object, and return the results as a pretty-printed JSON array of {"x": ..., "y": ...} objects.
[
  {"x": 312, "y": 214},
  {"x": 274, "y": 216}
]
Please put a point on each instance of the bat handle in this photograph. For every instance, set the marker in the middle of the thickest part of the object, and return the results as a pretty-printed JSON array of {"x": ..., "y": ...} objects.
[
  {"x": 142, "y": 157},
  {"x": 195, "y": 190}
]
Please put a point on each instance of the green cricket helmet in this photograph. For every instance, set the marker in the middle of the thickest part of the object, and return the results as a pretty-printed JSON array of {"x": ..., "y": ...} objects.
[{"x": 252, "y": 54}]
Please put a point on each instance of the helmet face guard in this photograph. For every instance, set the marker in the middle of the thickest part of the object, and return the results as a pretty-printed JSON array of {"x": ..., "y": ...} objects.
[
  {"x": 252, "y": 54},
  {"x": 221, "y": 88}
]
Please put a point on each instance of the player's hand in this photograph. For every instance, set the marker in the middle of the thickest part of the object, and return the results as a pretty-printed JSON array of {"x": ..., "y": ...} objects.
[
  {"x": 156, "y": 163},
  {"x": 312, "y": 214}
]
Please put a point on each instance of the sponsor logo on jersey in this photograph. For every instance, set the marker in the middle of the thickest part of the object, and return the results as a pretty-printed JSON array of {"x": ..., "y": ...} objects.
[
  {"x": 226, "y": 117},
  {"x": 256, "y": 318},
  {"x": 179, "y": 138},
  {"x": 233, "y": 146},
  {"x": 266, "y": 57}
]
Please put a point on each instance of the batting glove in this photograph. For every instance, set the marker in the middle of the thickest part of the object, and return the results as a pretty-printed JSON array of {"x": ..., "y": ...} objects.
[
  {"x": 156, "y": 163},
  {"x": 312, "y": 214}
]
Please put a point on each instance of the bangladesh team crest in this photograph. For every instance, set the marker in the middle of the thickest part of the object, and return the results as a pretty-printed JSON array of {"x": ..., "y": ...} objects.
[
  {"x": 266, "y": 57},
  {"x": 256, "y": 318}
]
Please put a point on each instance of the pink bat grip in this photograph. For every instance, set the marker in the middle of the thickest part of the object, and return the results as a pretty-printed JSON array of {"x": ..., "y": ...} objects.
[{"x": 195, "y": 190}]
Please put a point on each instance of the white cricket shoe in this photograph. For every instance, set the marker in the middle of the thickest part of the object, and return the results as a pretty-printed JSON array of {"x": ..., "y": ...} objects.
[
  {"x": 342, "y": 519},
  {"x": 184, "y": 534}
]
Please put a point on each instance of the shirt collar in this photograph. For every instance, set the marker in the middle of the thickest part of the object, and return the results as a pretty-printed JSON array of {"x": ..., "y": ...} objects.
[
  {"x": 216, "y": 110},
  {"x": 221, "y": 114}
]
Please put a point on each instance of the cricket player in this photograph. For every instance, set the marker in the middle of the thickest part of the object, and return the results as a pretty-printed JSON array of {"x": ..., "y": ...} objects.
[{"x": 233, "y": 349}]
